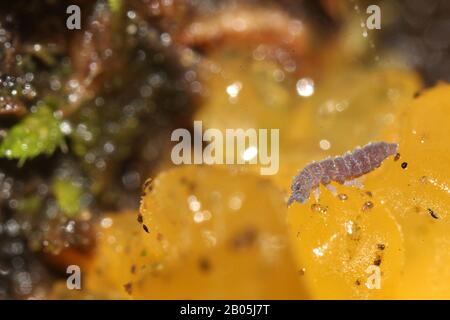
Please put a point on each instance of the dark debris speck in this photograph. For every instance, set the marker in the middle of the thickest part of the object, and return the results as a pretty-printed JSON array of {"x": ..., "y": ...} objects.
[
  {"x": 128, "y": 287},
  {"x": 377, "y": 260},
  {"x": 204, "y": 264},
  {"x": 244, "y": 239},
  {"x": 367, "y": 205},
  {"x": 432, "y": 213}
]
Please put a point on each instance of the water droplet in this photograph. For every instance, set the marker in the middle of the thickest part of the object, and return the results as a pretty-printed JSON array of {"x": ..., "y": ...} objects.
[
  {"x": 198, "y": 217},
  {"x": 342, "y": 196},
  {"x": 106, "y": 223},
  {"x": 65, "y": 127},
  {"x": 193, "y": 203},
  {"x": 367, "y": 206},
  {"x": 324, "y": 144},
  {"x": 166, "y": 39},
  {"x": 234, "y": 89},
  {"x": 305, "y": 87},
  {"x": 349, "y": 227},
  {"x": 318, "y": 208},
  {"x": 235, "y": 202},
  {"x": 278, "y": 75}
]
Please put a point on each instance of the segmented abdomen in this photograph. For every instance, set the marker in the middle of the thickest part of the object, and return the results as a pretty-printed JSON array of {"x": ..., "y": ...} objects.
[{"x": 340, "y": 169}]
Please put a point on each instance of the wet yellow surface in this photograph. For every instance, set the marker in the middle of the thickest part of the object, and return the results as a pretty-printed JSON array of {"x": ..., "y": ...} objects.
[{"x": 224, "y": 231}]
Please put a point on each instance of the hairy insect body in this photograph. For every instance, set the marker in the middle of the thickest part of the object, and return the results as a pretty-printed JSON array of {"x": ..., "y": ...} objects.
[{"x": 340, "y": 169}]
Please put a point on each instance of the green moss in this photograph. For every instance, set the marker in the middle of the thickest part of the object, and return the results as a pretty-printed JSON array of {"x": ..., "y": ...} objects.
[
  {"x": 68, "y": 195},
  {"x": 115, "y": 5},
  {"x": 38, "y": 133},
  {"x": 29, "y": 205}
]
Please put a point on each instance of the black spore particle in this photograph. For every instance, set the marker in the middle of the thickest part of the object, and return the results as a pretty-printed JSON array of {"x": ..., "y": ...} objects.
[
  {"x": 377, "y": 260},
  {"x": 128, "y": 287},
  {"x": 244, "y": 238},
  {"x": 433, "y": 214},
  {"x": 204, "y": 264},
  {"x": 404, "y": 165}
]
